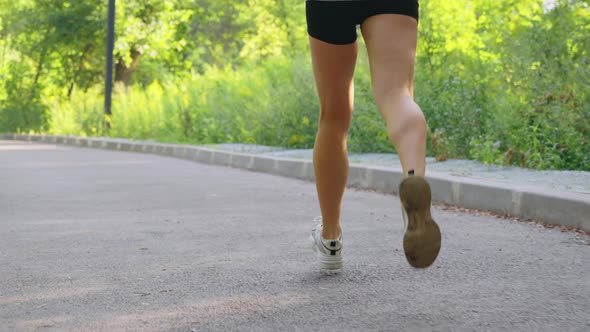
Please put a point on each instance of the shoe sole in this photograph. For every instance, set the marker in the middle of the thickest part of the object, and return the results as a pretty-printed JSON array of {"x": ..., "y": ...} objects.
[
  {"x": 327, "y": 262},
  {"x": 422, "y": 239}
]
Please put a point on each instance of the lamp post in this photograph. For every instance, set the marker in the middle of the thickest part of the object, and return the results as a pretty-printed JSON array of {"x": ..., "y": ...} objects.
[{"x": 109, "y": 66}]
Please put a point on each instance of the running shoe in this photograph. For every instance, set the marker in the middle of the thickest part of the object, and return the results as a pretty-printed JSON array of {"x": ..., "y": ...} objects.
[
  {"x": 329, "y": 252},
  {"x": 422, "y": 238}
]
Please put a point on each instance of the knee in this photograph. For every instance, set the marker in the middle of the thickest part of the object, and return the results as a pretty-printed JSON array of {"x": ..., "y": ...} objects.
[{"x": 335, "y": 117}]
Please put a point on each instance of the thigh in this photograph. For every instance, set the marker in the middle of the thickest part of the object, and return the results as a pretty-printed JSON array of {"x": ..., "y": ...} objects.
[
  {"x": 333, "y": 67},
  {"x": 332, "y": 38},
  {"x": 391, "y": 46}
]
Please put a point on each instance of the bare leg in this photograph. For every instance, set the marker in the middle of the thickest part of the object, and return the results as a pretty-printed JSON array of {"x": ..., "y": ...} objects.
[
  {"x": 333, "y": 69},
  {"x": 391, "y": 45}
]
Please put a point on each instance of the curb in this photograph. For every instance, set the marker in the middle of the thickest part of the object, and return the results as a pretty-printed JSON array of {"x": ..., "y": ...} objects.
[{"x": 556, "y": 207}]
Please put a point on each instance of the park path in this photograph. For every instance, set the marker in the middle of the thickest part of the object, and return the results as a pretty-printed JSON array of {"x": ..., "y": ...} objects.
[{"x": 106, "y": 241}]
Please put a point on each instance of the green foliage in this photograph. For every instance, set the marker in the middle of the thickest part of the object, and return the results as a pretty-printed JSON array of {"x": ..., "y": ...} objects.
[
  {"x": 81, "y": 115},
  {"x": 503, "y": 82},
  {"x": 212, "y": 35},
  {"x": 271, "y": 103},
  {"x": 274, "y": 28},
  {"x": 50, "y": 47},
  {"x": 507, "y": 88},
  {"x": 553, "y": 113}
]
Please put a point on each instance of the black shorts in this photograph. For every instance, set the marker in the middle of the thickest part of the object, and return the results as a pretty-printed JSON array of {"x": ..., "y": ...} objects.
[{"x": 335, "y": 21}]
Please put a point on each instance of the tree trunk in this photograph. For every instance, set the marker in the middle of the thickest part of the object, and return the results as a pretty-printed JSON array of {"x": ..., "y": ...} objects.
[
  {"x": 80, "y": 68},
  {"x": 38, "y": 74},
  {"x": 123, "y": 72}
]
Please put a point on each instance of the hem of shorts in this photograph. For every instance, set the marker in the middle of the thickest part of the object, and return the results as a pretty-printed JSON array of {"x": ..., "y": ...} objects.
[
  {"x": 332, "y": 42},
  {"x": 417, "y": 18}
]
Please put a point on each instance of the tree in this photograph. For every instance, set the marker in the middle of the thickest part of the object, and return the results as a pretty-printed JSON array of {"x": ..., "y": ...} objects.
[{"x": 146, "y": 28}]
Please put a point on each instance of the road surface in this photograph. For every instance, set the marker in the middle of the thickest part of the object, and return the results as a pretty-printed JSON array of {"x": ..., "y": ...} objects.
[{"x": 106, "y": 241}]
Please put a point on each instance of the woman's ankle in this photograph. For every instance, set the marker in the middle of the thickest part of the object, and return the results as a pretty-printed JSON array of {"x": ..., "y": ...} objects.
[{"x": 331, "y": 234}]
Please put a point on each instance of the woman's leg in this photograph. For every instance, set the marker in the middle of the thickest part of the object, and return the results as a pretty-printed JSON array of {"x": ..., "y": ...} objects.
[
  {"x": 333, "y": 67},
  {"x": 391, "y": 45}
]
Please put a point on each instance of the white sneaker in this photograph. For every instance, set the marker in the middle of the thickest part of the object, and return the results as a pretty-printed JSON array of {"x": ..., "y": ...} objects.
[{"x": 329, "y": 251}]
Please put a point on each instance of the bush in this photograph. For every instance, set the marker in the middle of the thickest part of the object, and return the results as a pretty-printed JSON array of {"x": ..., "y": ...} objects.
[
  {"x": 21, "y": 107},
  {"x": 506, "y": 86}
]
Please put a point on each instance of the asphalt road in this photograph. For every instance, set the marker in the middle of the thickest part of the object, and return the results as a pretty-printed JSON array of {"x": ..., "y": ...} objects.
[{"x": 94, "y": 240}]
